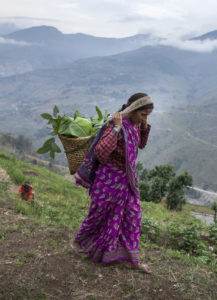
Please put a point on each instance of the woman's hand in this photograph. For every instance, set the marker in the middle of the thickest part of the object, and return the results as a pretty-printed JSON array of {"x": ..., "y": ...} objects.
[
  {"x": 144, "y": 122},
  {"x": 117, "y": 118}
]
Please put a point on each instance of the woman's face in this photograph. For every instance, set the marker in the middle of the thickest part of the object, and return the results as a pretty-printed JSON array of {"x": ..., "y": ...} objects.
[{"x": 141, "y": 115}]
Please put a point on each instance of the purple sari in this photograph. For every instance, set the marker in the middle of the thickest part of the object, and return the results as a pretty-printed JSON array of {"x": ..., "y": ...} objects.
[{"x": 112, "y": 228}]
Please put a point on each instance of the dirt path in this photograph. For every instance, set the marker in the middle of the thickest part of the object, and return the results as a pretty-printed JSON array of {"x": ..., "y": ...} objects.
[{"x": 37, "y": 263}]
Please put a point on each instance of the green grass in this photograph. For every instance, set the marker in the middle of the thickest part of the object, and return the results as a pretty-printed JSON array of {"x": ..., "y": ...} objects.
[
  {"x": 199, "y": 208},
  {"x": 54, "y": 193},
  {"x": 57, "y": 201},
  {"x": 158, "y": 212}
]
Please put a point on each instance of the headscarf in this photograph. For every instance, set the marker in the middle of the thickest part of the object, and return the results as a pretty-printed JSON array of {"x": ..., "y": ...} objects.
[{"x": 136, "y": 104}]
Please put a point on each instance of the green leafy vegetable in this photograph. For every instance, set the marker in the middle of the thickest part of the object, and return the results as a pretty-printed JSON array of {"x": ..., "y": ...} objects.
[
  {"x": 71, "y": 126},
  {"x": 78, "y": 127}
]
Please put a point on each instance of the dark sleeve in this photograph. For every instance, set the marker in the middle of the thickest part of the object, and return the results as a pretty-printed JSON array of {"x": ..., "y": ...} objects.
[
  {"x": 143, "y": 134},
  {"x": 106, "y": 144}
]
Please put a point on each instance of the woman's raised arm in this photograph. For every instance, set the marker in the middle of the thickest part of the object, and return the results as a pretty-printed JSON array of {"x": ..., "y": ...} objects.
[{"x": 143, "y": 135}]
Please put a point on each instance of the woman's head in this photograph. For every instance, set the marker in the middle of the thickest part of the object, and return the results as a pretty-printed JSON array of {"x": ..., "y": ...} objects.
[{"x": 139, "y": 114}]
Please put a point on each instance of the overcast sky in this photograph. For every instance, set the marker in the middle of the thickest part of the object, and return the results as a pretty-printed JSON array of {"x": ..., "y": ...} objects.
[{"x": 115, "y": 18}]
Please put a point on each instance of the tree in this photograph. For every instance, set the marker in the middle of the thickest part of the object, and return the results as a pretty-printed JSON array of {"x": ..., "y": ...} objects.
[
  {"x": 153, "y": 183},
  {"x": 157, "y": 189},
  {"x": 164, "y": 171},
  {"x": 144, "y": 191},
  {"x": 23, "y": 144},
  {"x": 162, "y": 182},
  {"x": 176, "y": 196},
  {"x": 214, "y": 207},
  {"x": 8, "y": 140}
]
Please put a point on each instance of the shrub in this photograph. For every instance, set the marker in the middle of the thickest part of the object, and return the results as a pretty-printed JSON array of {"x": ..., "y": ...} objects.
[
  {"x": 213, "y": 232},
  {"x": 186, "y": 238},
  {"x": 175, "y": 200},
  {"x": 157, "y": 190},
  {"x": 144, "y": 191},
  {"x": 150, "y": 230},
  {"x": 176, "y": 196}
]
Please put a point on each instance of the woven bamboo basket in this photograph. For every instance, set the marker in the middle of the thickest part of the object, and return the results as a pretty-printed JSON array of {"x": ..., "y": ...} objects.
[{"x": 75, "y": 149}]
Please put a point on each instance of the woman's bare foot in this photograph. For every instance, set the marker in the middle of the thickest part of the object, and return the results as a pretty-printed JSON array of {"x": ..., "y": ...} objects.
[
  {"x": 141, "y": 266},
  {"x": 145, "y": 268}
]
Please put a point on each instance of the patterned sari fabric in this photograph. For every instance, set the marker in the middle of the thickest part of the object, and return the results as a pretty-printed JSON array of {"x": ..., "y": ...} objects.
[{"x": 111, "y": 231}]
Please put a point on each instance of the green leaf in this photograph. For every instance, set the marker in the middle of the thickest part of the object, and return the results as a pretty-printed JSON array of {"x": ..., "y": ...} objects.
[
  {"x": 55, "y": 148},
  {"x": 46, "y": 116},
  {"x": 49, "y": 141},
  {"x": 55, "y": 111},
  {"x": 43, "y": 149},
  {"x": 100, "y": 116},
  {"x": 46, "y": 146},
  {"x": 49, "y": 146},
  {"x": 56, "y": 124},
  {"x": 50, "y": 121},
  {"x": 52, "y": 154}
]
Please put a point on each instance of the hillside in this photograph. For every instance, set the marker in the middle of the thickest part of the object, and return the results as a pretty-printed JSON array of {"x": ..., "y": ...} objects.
[
  {"x": 38, "y": 263},
  {"x": 42, "y": 47},
  {"x": 186, "y": 138}
]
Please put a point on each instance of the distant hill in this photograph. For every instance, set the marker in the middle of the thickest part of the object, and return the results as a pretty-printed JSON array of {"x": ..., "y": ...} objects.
[
  {"x": 105, "y": 81},
  {"x": 47, "y": 47},
  {"x": 36, "y": 34},
  {"x": 187, "y": 138},
  {"x": 212, "y": 35},
  {"x": 172, "y": 76},
  {"x": 7, "y": 28},
  {"x": 43, "y": 47}
]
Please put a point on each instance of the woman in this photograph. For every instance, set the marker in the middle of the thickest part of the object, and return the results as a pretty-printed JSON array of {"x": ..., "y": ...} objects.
[{"x": 111, "y": 231}]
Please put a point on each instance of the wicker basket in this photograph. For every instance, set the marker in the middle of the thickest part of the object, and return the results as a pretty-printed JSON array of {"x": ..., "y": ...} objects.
[{"x": 75, "y": 149}]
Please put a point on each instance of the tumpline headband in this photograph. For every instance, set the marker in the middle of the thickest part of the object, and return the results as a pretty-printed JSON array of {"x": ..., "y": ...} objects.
[{"x": 136, "y": 104}]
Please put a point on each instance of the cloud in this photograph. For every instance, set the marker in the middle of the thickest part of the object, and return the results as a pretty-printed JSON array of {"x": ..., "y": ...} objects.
[
  {"x": 198, "y": 46},
  {"x": 170, "y": 19},
  {"x": 13, "y": 42},
  {"x": 187, "y": 45}
]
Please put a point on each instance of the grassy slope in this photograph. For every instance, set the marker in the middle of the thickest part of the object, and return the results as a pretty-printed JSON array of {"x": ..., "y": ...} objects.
[{"x": 38, "y": 263}]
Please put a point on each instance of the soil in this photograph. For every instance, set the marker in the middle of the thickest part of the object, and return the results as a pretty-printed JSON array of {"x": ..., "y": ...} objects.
[{"x": 37, "y": 262}]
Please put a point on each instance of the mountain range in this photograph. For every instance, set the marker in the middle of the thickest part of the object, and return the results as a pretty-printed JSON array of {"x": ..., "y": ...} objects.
[
  {"x": 77, "y": 71},
  {"x": 46, "y": 47}
]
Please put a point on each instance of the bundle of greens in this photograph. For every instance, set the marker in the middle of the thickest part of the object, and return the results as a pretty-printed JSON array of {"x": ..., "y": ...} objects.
[{"x": 71, "y": 126}]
